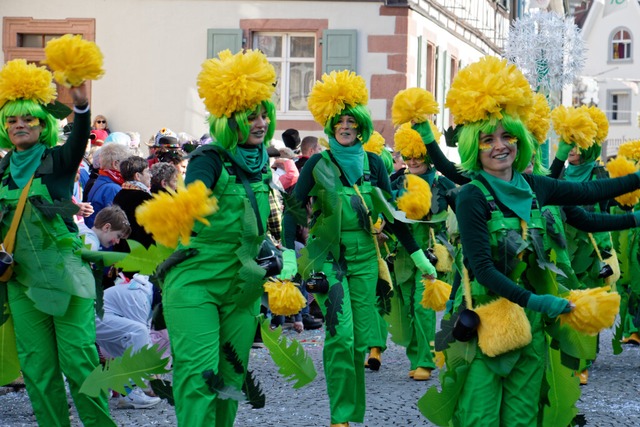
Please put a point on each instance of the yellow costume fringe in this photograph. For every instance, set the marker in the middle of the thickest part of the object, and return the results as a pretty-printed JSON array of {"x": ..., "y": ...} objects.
[
  {"x": 73, "y": 60},
  {"x": 574, "y": 125},
  {"x": 375, "y": 144},
  {"x": 539, "y": 122},
  {"x": 336, "y": 90},
  {"x": 595, "y": 310},
  {"x": 19, "y": 80},
  {"x": 413, "y": 105},
  {"x": 436, "y": 294},
  {"x": 408, "y": 142},
  {"x": 239, "y": 82},
  {"x": 170, "y": 216},
  {"x": 621, "y": 166},
  {"x": 488, "y": 88},
  {"x": 416, "y": 200},
  {"x": 445, "y": 261},
  {"x": 285, "y": 298}
]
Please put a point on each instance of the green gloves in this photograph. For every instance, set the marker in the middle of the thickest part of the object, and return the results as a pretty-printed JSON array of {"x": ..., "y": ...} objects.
[
  {"x": 550, "y": 305},
  {"x": 563, "y": 150},
  {"x": 423, "y": 264},
  {"x": 289, "y": 265},
  {"x": 424, "y": 129}
]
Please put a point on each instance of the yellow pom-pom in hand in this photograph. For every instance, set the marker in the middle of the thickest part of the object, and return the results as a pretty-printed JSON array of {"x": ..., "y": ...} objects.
[
  {"x": 170, "y": 216},
  {"x": 413, "y": 105},
  {"x": 408, "y": 142},
  {"x": 600, "y": 119},
  {"x": 621, "y": 166},
  {"x": 574, "y": 125},
  {"x": 73, "y": 60},
  {"x": 19, "y": 80},
  {"x": 415, "y": 202},
  {"x": 375, "y": 144},
  {"x": 595, "y": 309},
  {"x": 436, "y": 294},
  {"x": 284, "y": 297},
  {"x": 630, "y": 150}
]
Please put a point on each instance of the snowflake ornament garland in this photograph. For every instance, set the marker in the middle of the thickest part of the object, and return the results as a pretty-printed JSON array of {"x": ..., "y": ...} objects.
[{"x": 548, "y": 49}]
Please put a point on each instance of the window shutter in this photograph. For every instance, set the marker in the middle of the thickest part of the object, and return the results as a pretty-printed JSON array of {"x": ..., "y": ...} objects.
[
  {"x": 339, "y": 50},
  {"x": 219, "y": 40},
  {"x": 441, "y": 79},
  {"x": 447, "y": 84},
  {"x": 419, "y": 63}
]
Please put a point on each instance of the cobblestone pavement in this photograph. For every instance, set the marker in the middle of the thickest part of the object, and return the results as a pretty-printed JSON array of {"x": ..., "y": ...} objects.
[{"x": 610, "y": 398}]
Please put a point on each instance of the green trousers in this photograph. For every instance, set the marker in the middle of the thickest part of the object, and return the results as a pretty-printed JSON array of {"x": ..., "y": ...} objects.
[
  {"x": 49, "y": 346},
  {"x": 347, "y": 339},
  {"x": 422, "y": 323},
  {"x": 201, "y": 317}
]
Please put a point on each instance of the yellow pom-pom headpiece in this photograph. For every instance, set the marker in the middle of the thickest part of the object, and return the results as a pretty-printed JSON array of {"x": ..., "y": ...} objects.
[
  {"x": 415, "y": 201},
  {"x": 19, "y": 80},
  {"x": 237, "y": 82},
  {"x": 413, "y": 105},
  {"x": 487, "y": 89},
  {"x": 375, "y": 144},
  {"x": 408, "y": 142},
  {"x": 600, "y": 119},
  {"x": 73, "y": 60},
  {"x": 574, "y": 125},
  {"x": 621, "y": 166},
  {"x": 284, "y": 297},
  {"x": 539, "y": 121},
  {"x": 630, "y": 150},
  {"x": 595, "y": 309},
  {"x": 334, "y": 93}
]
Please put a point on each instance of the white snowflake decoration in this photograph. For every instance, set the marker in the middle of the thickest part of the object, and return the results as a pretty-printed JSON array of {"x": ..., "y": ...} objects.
[{"x": 548, "y": 49}]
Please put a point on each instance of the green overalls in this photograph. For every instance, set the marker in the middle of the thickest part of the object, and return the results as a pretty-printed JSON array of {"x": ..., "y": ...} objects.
[
  {"x": 349, "y": 306},
  {"x": 51, "y": 297},
  {"x": 212, "y": 300}
]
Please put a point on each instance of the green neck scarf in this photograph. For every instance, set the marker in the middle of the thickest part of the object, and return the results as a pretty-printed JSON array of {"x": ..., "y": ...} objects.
[
  {"x": 350, "y": 159},
  {"x": 429, "y": 176},
  {"x": 250, "y": 158},
  {"x": 24, "y": 163},
  {"x": 579, "y": 173},
  {"x": 515, "y": 194}
]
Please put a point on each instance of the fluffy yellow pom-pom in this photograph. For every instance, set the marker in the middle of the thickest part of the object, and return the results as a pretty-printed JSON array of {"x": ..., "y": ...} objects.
[
  {"x": 595, "y": 310},
  {"x": 540, "y": 120},
  {"x": 445, "y": 261},
  {"x": 237, "y": 82},
  {"x": 408, "y": 142},
  {"x": 19, "y": 80},
  {"x": 285, "y": 297},
  {"x": 416, "y": 200},
  {"x": 574, "y": 125},
  {"x": 73, "y": 60},
  {"x": 375, "y": 144},
  {"x": 413, "y": 104},
  {"x": 630, "y": 150},
  {"x": 621, "y": 166},
  {"x": 435, "y": 295},
  {"x": 334, "y": 92},
  {"x": 488, "y": 89},
  {"x": 503, "y": 327},
  {"x": 600, "y": 119},
  {"x": 171, "y": 216}
]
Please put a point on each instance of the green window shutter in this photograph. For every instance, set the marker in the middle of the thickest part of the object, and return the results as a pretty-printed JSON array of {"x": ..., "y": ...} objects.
[
  {"x": 339, "y": 50},
  {"x": 219, "y": 40}
]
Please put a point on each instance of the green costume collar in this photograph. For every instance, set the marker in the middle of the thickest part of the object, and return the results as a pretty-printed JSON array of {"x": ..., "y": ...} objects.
[
  {"x": 249, "y": 158},
  {"x": 515, "y": 194},
  {"x": 24, "y": 163},
  {"x": 429, "y": 176},
  {"x": 350, "y": 159},
  {"x": 579, "y": 173}
]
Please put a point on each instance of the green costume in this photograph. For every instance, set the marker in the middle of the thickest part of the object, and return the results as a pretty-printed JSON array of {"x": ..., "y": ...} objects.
[
  {"x": 51, "y": 293},
  {"x": 211, "y": 299}
]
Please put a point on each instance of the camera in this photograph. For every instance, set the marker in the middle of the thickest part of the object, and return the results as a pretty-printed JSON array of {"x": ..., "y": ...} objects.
[
  {"x": 605, "y": 271},
  {"x": 431, "y": 256},
  {"x": 317, "y": 283}
]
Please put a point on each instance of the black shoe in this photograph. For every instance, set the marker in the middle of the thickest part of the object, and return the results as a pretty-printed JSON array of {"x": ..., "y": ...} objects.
[{"x": 310, "y": 323}]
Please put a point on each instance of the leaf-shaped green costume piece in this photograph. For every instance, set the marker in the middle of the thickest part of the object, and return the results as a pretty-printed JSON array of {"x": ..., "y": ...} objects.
[
  {"x": 250, "y": 387},
  {"x": 562, "y": 391},
  {"x": 9, "y": 363},
  {"x": 249, "y": 279},
  {"x": 144, "y": 260},
  {"x": 220, "y": 389},
  {"x": 163, "y": 389},
  {"x": 294, "y": 363},
  {"x": 334, "y": 307}
]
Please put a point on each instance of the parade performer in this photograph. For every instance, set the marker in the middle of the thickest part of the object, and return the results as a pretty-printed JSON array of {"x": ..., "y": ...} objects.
[
  {"x": 510, "y": 287},
  {"x": 346, "y": 184},
  {"x": 52, "y": 290},
  {"x": 213, "y": 284}
]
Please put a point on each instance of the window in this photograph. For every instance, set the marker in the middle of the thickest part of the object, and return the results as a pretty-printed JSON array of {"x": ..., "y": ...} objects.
[
  {"x": 35, "y": 40},
  {"x": 621, "y": 45},
  {"x": 619, "y": 106},
  {"x": 293, "y": 55}
]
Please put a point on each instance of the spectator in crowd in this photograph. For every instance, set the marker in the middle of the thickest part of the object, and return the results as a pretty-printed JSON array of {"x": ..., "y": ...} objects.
[
  {"x": 308, "y": 147},
  {"x": 291, "y": 139},
  {"x": 100, "y": 123},
  {"x": 163, "y": 176}
]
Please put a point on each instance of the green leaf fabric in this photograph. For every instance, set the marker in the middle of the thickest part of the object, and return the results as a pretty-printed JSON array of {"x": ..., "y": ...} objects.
[
  {"x": 9, "y": 363},
  {"x": 220, "y": 389},
  {"x": 254, "y": 394},
  {"x": 144, "y": 260},
  {"x": 397, "y": 321},
  {"x": 334, "y": 307},
  {"x": 562, "y": 395},
  {"x": 163, "y": 389},
  {"x": 64, "y": 208},
  {"x": 437, "y": 406}
]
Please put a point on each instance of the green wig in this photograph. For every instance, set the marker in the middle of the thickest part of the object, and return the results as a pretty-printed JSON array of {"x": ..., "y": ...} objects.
[
  {"x": 468, "y": 142},
  {"x": 362, "y": 116},
  {"x": 225, "y": 130},
  {"x": 26, "y": 107}
]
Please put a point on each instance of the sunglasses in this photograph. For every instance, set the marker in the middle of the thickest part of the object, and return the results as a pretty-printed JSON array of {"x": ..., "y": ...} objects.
[{"x": 101, "y": 121}]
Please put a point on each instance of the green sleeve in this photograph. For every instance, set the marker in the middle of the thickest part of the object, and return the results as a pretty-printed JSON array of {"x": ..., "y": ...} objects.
[
  {"x": 205, "y": 166},
  {"x": 445, "y": 166},
  {"x": 555, "y": 192},
  {"x": 594, "y": 222}
]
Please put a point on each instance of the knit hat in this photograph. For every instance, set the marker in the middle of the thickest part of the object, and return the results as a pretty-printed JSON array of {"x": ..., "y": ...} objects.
[{"x": 97, "y": 137}]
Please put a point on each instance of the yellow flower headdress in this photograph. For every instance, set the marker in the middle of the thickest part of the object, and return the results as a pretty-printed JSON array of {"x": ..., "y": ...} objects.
[
  {"x": 73, "y": 60},
  {"x": 574, "y": 125},
  {"x": 408, "y": 142},
  {"x": 622, "y": 166},
  {"x": 375, "y": 144},
  {"x": 336, "y": 91},
  {"x": 237, "y": 82},
  {"x": 487, "y": 89},
  {"x": 600, "y": 119},
  {"x": 19, "y": 80},
  {"x": 630, "y": 150},
  {"x": 539, "y": 121},
  {"x": 413, "y": 104}
]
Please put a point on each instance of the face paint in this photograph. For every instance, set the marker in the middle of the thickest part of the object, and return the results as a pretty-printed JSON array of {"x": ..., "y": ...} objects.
[{"x": 484, "y": 146}]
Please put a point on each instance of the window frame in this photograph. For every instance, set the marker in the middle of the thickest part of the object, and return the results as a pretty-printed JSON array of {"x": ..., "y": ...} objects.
[
  {"x": 612, "y": 35},
  {"x": 610, "y": 94}
]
